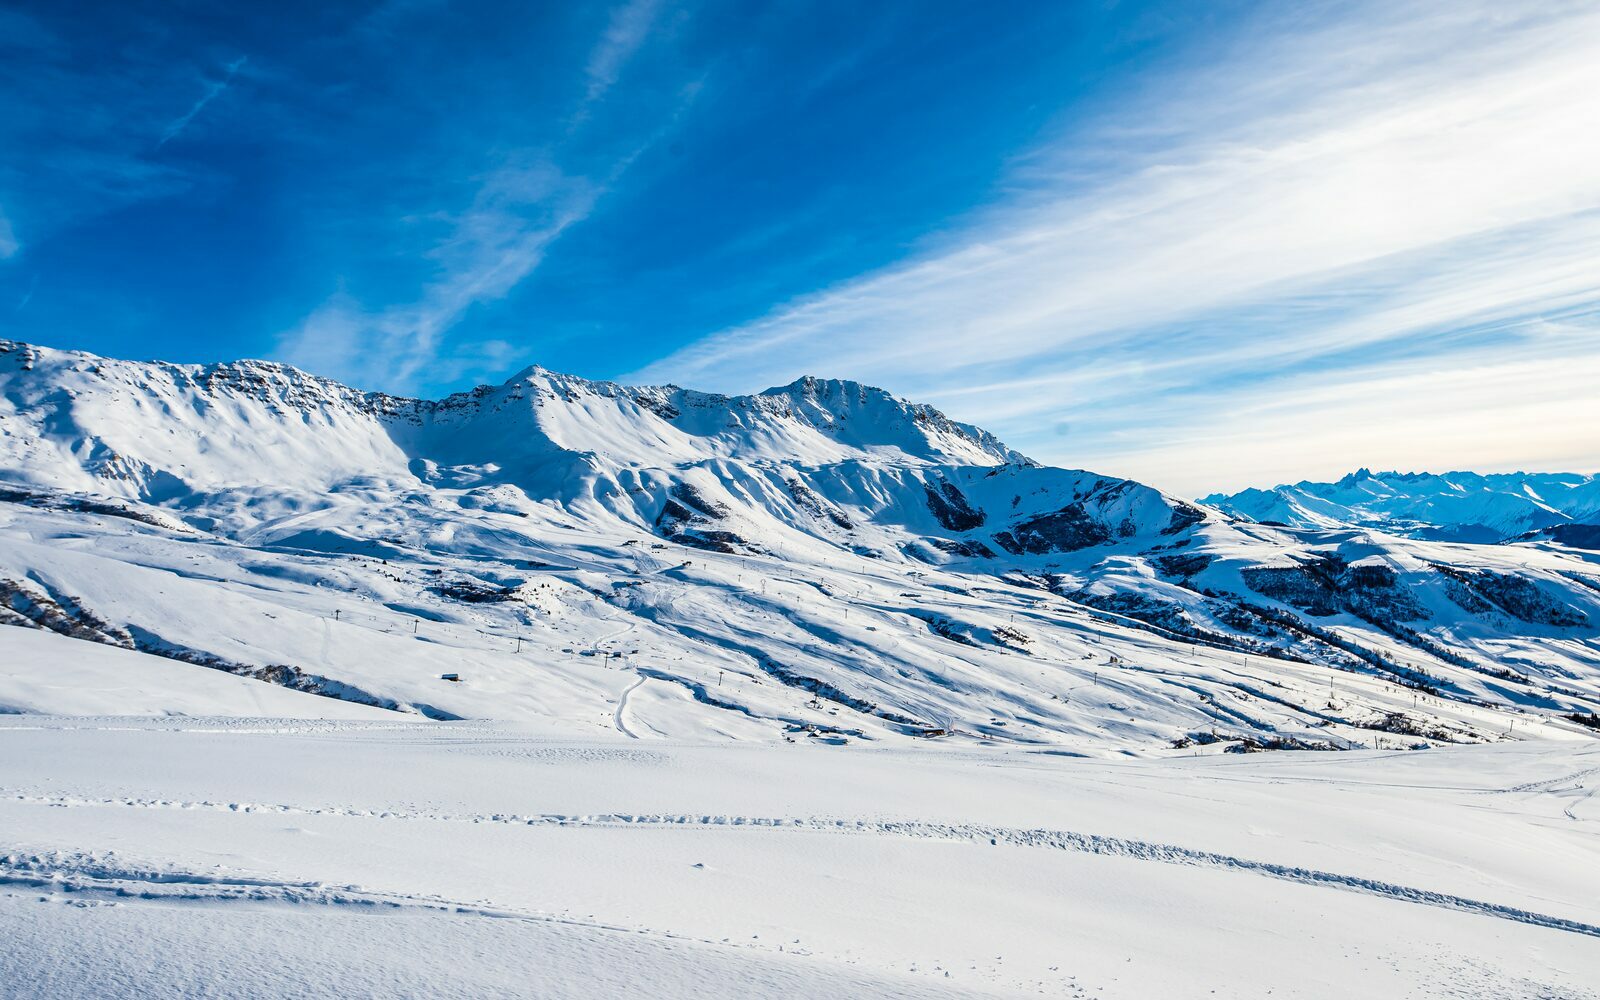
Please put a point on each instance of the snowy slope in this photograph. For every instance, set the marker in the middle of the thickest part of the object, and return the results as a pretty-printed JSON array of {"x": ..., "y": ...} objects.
[
  {"x": 817, "y": 562},
  {"x": 288, "y": 858},
  {"x": 44, "y": 672},
  {"x": 1459, "y": 506}
]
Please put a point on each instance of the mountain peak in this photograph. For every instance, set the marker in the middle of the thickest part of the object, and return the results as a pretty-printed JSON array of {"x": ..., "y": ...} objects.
[
  {"x": 1350, "y": 479},
  {"x": 1455, "y": 506},
  {"x": 194, "y": 427}
]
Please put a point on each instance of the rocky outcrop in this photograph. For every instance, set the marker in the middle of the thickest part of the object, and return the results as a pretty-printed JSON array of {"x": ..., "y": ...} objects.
[
  {"x": 950, "y": 507},
  {"x": 1482, "y": 590}
]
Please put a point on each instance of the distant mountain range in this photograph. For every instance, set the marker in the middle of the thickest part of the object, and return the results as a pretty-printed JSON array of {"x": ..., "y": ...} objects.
[
  {"x": 1451, "y": 506},
  {"x": 820, "y": 560}
]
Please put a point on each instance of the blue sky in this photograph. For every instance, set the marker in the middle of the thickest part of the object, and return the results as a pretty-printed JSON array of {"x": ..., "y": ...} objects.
[{"x": 1204, "y": 245}]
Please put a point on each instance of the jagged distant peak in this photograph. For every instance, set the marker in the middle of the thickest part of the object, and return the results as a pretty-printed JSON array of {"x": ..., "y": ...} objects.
[{"x": 1458, "y": 505}]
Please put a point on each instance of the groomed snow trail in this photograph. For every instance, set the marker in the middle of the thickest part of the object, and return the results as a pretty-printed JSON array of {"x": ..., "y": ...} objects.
[{"x": 622, "y": 705}]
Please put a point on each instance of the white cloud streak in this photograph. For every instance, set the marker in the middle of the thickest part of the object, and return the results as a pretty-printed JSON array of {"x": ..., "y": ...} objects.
[
  {"x": 1533, "y": 409},
  {"x": 1277, "y": 222},
  {"x": 519, "y": 211},
  {"x": 492, "y": 246},
  {"x": 213, "y": 90},
  {"x": 626, "y": 31}
]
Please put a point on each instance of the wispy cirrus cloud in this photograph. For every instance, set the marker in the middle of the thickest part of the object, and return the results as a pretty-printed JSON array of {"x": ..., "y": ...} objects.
[
  {"x": 520, "y": 207},
  {"x": 65, "y": 154},
  {"x": 519, "y": 211},
  {"x": 1490, "y": 409},
  {"x": 626, "y": 30},
  {"x": 212, "y": 91},
  {"x": 1392, "y": 186}
]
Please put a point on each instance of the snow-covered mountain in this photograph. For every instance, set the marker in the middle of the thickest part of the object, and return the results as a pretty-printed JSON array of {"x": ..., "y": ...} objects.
[
  {"x": 819, "y": 559},
  {"x": 84, "y": 421},
  {"x": 1453, "y": 506}
]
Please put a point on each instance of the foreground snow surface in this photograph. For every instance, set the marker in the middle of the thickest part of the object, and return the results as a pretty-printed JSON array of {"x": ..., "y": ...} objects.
[{"x": 255, "y": 857}]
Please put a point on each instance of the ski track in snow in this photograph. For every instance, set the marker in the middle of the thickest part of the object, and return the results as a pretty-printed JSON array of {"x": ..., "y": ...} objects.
[
  {"x": 622, "y": 705},
  {"x": 16, "y": 870},
  {"x": 86, "y": 880},
  {"x": 1550, "y": 784}
]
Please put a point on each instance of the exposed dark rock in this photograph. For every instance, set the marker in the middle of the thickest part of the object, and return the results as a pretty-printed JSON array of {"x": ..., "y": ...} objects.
[
  {"x": 657, "y": 405},
  {"x": 1328, "y": 586},
  {"x": 1067, "y": 530},
  {"x": 1167, "y": 618},
  {"x": 1015, "y": 638},
  {"x": 1483, "y": 590},
  {"x": 969, "y": 549},
  {"x": 1293, "y": 586},
  {"x": 822, "y": 689},
  {"x": 32, "y": 604},
  {"x": 674, "y": 511},
  {"x": 689, "y": 518},
  {"x": 691, "y": 497},
  {"x": 474, "y": 592},
  {"x": 950, "y": 507},
  {"x": 1183, "y": 515},
  {"x": 815, "y": 504},
  {"x": 1182, "y": 566},
  {"x": 944, "y": 628},
  {"x": 1405, "y": 725},
  {"x": 712, "y": 541}
]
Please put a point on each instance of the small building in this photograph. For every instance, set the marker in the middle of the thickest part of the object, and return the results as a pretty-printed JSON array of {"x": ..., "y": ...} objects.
[{"x": 455, "y": 678}]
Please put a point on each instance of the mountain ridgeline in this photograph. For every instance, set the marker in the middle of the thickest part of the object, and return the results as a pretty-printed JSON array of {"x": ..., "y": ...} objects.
[
  {"x": 868, "y": 556},
  {"x": 658, "y": 457},
  {"x": 1453, "y": 506}
]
